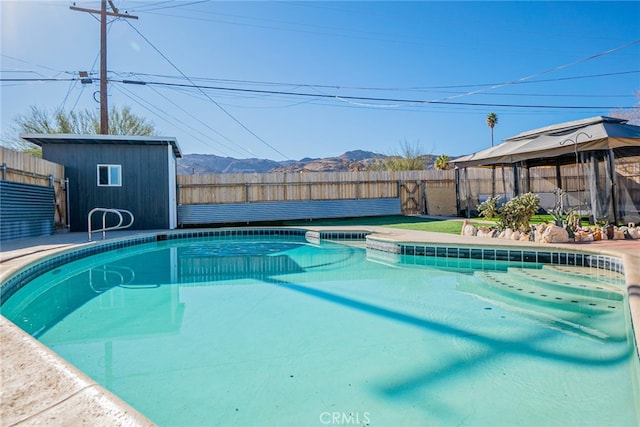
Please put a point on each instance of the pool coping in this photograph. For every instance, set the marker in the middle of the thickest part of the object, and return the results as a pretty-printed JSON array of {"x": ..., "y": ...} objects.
[{"x": 39, "y": 387}]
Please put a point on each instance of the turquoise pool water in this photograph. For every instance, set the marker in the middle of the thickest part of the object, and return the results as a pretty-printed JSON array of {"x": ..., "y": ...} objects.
[{"x": 279, "y": 331}]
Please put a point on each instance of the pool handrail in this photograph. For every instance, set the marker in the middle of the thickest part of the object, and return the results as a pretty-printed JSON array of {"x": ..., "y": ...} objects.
[{"x": 104, "y": 228}]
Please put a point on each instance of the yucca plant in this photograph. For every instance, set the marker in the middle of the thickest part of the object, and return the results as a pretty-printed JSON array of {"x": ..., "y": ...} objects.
[
  {"x": 489, "y": 208},
  {"x": 515, "y": 214}
]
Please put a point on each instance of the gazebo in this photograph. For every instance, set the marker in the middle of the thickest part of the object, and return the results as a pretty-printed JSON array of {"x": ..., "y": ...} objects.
[{"x": 591, "y": 166}]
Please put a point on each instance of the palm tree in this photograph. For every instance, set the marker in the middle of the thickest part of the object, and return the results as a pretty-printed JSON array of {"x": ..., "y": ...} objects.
[
  {"x": 492, "y": 120},
  {"x": 442, "y": 163}
]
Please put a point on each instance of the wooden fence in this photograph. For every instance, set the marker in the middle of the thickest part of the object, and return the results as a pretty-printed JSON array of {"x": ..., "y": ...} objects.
[
  {"x": 420, "y": 192},
  {"x": 16, "y": 166},
  {"x": 430, "y": 191},
  {"x": 628, "y": 178}
]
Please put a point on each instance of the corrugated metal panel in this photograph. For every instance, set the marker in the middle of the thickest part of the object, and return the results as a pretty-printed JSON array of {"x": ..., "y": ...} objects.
[
  {"x": 26, "y": 210},
  {"x": 276, "y": 211}
]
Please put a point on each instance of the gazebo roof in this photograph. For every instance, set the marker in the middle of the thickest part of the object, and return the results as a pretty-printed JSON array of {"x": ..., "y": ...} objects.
[{"x": 596, "y": 133}]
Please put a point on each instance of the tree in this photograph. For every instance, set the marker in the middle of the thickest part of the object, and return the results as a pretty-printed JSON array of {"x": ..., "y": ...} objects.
[
  {"x": 86, "y": 122},
  {"x": 492, "y": 121},
  {"x": 410, "y": 158},
  {"x": 442, "y": 163},
  {"x": 632, "y": 114}
]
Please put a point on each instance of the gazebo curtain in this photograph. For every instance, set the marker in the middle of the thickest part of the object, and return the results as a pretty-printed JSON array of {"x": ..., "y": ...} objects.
[{"x": 593, "y": 165}]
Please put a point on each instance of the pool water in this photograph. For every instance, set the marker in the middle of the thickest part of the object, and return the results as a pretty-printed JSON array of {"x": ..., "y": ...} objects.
[{"x": 280, "y": 332}]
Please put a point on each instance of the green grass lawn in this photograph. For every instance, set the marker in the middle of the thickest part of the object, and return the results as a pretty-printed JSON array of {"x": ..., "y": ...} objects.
[{"x": 450, "y": 226}]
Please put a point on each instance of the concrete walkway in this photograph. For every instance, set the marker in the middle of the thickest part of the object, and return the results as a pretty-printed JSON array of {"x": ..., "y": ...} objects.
[{"x": 38, "y": 387}]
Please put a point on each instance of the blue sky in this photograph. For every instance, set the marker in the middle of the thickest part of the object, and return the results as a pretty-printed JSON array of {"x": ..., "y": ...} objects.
[{"x": 287, "y": 80}]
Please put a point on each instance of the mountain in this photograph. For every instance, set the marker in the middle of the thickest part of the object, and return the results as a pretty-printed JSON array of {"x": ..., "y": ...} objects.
[
  {"x": 349, "y": 161},
  {"x": 209, "y": 163}
]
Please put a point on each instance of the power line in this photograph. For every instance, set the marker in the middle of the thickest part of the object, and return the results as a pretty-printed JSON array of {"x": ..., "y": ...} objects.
[
  {"x": 168, "y": 117},
  {"x": 368, "y": 98},
  {"x": 37, "y": 65},
  {"x": 147, "y": 8},
  {"x": 404, "y": 89},
  {"x": 82, "y": 86},
  {"x": 208, "y": 97},
  {"x": 351, "y": 32},
  {"x": 558, "y": 79},
  {"x": 199, "y": 121},
  {"x": 147, "y": 4},
  {"x": 39, "y": 79},
  {"x": 551, "y": 70},
  {"x": 342, "y": 87},
  {"x": 330, "y": 96},
  {"x": 104, "y": 110},
  {"x": 64, "y": 100}
]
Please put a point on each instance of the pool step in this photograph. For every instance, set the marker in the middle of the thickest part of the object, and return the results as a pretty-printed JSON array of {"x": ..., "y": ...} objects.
[
  {"x": 608, "y": 278},
  {"x": 594, "y": 317},
  {"x": 567, "y": 283},
  {"x": 557, "y": 298}
]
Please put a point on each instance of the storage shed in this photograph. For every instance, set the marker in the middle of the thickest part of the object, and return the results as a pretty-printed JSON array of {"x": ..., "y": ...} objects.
[{"x": 135, "y": 173}]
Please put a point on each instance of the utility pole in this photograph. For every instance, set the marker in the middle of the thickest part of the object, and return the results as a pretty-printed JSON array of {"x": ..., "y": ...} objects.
[{"x": 104, "y": 109}]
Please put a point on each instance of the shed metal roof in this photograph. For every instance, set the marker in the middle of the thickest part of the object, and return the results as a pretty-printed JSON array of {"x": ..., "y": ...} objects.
[{"x": 42, "y": 139}]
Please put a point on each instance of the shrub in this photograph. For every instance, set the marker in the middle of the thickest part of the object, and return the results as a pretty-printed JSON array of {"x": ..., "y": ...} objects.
[
  {"x": 489, "y": 208},
  {"x": 515, "y": 214}
]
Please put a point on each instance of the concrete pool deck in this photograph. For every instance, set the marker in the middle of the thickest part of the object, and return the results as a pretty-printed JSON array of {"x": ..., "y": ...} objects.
[{"x": 38, "y": 387}]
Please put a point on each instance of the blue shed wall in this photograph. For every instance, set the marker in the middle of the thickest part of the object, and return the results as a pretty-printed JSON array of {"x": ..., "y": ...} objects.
[{"x": 145, "y": 181}]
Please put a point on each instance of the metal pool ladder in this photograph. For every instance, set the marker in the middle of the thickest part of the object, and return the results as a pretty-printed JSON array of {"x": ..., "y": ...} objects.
[{"x": 104, "y": 228}]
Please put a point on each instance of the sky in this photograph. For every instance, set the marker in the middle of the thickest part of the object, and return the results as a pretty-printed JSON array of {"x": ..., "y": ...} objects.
[{"x": 289, "y": 80}]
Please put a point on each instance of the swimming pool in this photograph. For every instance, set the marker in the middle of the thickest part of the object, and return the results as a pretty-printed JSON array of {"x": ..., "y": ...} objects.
[{"x": 291, "y": 332}]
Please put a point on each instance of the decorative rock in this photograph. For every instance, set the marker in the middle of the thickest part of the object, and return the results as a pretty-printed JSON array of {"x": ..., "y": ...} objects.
[
  {"x": 545, "y": 233},
  {"x": 618, "y": 234},
  {"x": 505, "y": 234},
  {"x": 555, "y": 234},
  {"x": 634, "y": 232},
  {"x": 484, "y": 231},
  {"x": 539, "y": 231},
  {"x": 582, "y": 235},
  {"x": 468, "y": 229}
]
